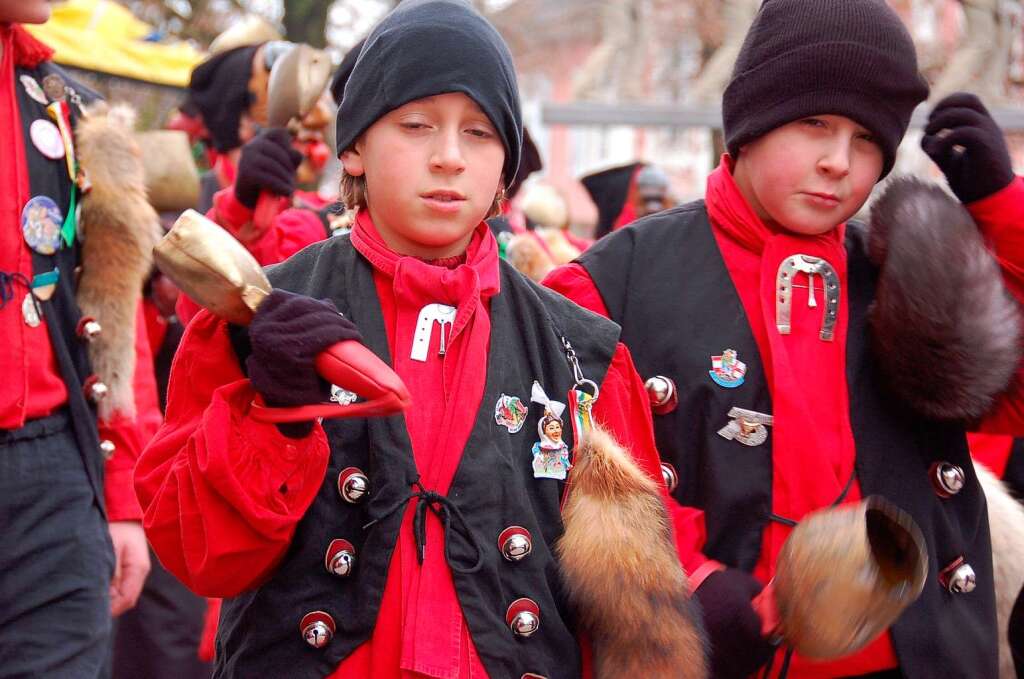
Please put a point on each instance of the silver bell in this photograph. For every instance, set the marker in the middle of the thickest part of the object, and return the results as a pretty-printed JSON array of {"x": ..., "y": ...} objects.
[
  {"x": 317, "y": 628},
  {"x": 353, "y": 485},
  {"x": 668, "y": 472},
  {"x": 95, "y": 390},
  {"x": 525, "y": 623},
  {"x": 948, "y": 479},
  {"x": 660, "y": 390},
  {"x": 523, "y": 617},
  {"x": 962, "y": 580},
  {"x": 341, "y": 558},
  {"x": 515, "y": 543},
  {"x": 90, "y": 330},
  {"x": 107, "y": 447}
]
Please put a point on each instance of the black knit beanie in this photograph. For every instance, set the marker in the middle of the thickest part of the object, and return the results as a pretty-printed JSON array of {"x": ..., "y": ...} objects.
[
  {"x": 344, "y": 72},
  {"x": 219, "y": 89},
  {"x": 429, "y": 47},
  {"x": 803, "y": 58}
]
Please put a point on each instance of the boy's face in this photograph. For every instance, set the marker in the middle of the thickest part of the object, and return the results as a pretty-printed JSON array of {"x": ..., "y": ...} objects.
[
  {"x": 24, "y": 11},
  {"x": 810, "y": 175},
  {"x": 432, "y": 169}
]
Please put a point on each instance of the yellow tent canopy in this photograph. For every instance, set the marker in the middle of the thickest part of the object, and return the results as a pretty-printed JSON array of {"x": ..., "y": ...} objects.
[{"x": 103, "y": 36}]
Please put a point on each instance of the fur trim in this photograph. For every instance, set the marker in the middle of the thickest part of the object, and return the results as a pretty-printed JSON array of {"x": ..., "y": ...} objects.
[
  {"x": 1006, "y": 524},
  {"x": 528, "y": 257},
  {"x": 621, "y": 571},
  {"x": 946, "y": 332},
  {"x": 120, "y": 229}
]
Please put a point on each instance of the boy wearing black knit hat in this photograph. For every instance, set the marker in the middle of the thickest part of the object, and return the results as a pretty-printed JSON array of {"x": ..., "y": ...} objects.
[
  {"x": 421, "y": 545},
  {"x": 774, "y": 394}
]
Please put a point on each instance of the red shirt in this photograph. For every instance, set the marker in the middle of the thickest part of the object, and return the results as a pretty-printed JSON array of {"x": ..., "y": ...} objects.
[
  {"x": 223, "y": 494},
  {"x": 801, "y": 482},
  {"x": 32, "y": 386}
]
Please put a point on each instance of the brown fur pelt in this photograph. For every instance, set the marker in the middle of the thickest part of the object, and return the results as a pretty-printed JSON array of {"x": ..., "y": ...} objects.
[
  {"x": 620, "y": 568},
  {"x": 946, "y": 333},
  {"x": 119, "y": 230},
  {"x": 528, "y": 257},
  {"x": 1006, "y": 524}
]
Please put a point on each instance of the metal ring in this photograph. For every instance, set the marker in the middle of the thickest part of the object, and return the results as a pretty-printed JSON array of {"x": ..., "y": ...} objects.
[{"x": 584, "y": 382}]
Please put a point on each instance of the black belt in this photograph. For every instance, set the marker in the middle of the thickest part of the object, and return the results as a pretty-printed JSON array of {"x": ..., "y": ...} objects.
[{"x": 38, "y": 428}]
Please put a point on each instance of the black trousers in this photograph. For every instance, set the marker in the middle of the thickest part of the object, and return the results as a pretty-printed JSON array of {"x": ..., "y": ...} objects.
[
  {"x": 56, "y": 559},
  {"x": 159, "y": 638}
]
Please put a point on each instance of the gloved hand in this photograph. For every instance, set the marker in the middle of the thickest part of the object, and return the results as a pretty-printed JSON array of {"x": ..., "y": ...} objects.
[
  {"x": 968, "y": 146},
  {"x": 268, "y": 163},
  {"x": 287, "y": 332},
  {"x": 732, "y": 626}
]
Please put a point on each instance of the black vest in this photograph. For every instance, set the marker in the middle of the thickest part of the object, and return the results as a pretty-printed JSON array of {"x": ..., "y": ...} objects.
[
  {"x": 664, "y": 280},
  {"x": 50, "y": 178},
  {"x": 493, "y": 487}
]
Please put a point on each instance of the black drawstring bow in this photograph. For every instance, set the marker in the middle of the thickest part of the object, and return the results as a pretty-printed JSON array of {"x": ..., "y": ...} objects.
[{"x": 444, "y": 509}]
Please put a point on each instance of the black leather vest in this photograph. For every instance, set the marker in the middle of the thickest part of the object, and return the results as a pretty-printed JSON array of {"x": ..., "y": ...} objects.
[
  {"x": 50, "y": 178},
  {"x": 664, "y": 280},
  {"x": 494, "y": 488}
]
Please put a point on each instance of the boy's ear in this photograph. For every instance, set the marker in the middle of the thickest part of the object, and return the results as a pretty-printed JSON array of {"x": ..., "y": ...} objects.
[{"x": 352, "y": 162}]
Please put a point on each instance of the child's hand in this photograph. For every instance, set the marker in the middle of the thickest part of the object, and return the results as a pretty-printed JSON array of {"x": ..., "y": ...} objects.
[
  {"x": 268, "y": 163},
  {"x": 968, "y": 146},
  {"x": 287, "y": 332}
]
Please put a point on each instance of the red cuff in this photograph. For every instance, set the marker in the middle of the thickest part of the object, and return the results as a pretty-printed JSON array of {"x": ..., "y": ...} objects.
[
  {"x": 696, "y": 578},
  {"x": 228, "y": 212},
  {"x": 119, "y": 495},
  {"x": 1000, "y": 210}
]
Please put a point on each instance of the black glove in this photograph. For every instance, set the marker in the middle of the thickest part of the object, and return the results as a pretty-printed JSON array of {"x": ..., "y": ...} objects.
[
  {"x": 268, "y": 163},
  {"x": 287, "y": 332},
  {"x": 732, "y": 626},
  {"x": 968, "y": 146}
]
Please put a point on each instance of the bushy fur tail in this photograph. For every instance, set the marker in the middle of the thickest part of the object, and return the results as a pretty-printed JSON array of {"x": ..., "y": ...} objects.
[
  {"x": 120, "y": 229},
  {"x": 947, "y": 334},
  {"x": 621, "y": 570}
]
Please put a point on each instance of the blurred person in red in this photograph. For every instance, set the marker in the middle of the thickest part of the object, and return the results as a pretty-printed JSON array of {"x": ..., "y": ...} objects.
[
  {"x": 228, "y": 95},
  {"x": 78, "y": 399}
]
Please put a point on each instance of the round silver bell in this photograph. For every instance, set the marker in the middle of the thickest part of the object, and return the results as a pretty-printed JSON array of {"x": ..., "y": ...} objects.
[
  {"x": 515, "y": 543},
  {"x": 668, "y": 472},
  {"x": 107, "y": 447},
  {"x": 95, "y": 390},
  {"x": 91, "y": 330},
  {"x": 963, "y": 580},
  {"x": 948, "y": 479},
  {"x": 660, "y": 390},
  {"x": 317, "y": 628},
  {"x": 353, "y": 485},
  {"x": 340, "y": 559},
  {"x": 523, "y": 617},
  {"x": 524, "y": 623}
]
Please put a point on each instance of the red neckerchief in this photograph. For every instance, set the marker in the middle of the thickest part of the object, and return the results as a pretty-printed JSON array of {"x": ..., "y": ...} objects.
[
  {"x": 28, "y": 51},
  {"x": 446, "y": 394},
  {"x": 812, "y": 441}
]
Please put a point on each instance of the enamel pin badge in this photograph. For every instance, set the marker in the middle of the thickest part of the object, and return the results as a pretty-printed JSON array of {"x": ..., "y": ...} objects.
[
  {"x": 510, "y": 412},
  {"x": 749, "y": 427},
  {"x": 727, "y": 370}
]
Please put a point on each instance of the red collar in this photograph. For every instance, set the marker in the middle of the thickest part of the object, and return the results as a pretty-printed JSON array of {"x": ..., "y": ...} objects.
[{"x": 28, "y": 51}]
